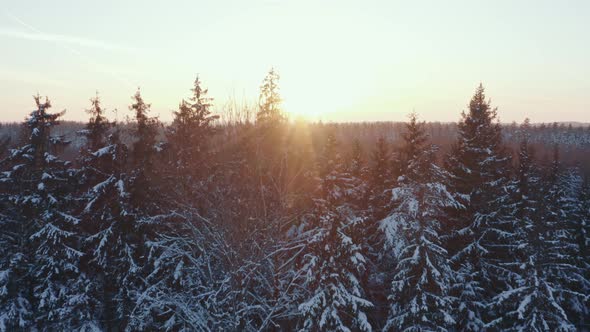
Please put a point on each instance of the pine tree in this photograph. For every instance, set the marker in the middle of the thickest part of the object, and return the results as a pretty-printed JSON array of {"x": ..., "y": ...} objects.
[
  {"x": 190, "y": 131},
  {"x": 4, "y": 142},
  {"x": 415, "y": 139},
  {"x": 381, "y": 177},
  {"x": 97, "y": 127},
  {"x": 107, "y": 217},
  {"x": 121, "y": 214},
  {"x": 146, "y": 130},
  {"x": 185, "y": 282},
  {"x": 531, "y": 303},
  {"x": 332, "y": 261},
  {"x": 583, "y": 240},
  {"x": 43, "y": 282},
  {"x": 420, "y": 290},
  {"x": 358, "y": 175},
  {"x": 184, "y": 274},
  {"x": 270, "y": 113},
  {"x": 479, "y": 167},
  {"x": 563, "y": 224},
  {"x": 356, "y": 166}
]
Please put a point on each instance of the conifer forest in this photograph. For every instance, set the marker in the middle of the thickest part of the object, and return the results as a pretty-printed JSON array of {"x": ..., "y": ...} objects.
[{"x": 265, "y": 223}]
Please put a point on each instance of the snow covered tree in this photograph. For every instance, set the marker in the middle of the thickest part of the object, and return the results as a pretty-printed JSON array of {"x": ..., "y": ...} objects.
[
  {"x": 332, "y": 261},
  {"x": 380, "y": 178},
  {"x": 42, "y": 282},
  {"x": 420, "y": 298},
  {"x": 356, "y": 167},
  {"x": 531, "y": 304},
  {"x": 583, "y": 240},
  {"x": 4, "y": 141},
  {"x": 190, "y": 131},
  {"x": 185, "y": 285},
  {"x": 107, "y": 217},
  {"x": 479, "y": 169},
  {"x": 415, "y": 140},
  {"x": 104, "y": 211},
  {"x": 145, "y": 132},
  {"x": 97, "y": 126},
  {"x": 358, "y": 175},
  {"x": 16, "y": 307},
  {"x": 120, "y": 214},
  {"x": 564, "y": 261}
]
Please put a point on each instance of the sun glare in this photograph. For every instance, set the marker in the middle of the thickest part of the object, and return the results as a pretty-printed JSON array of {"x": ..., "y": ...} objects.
[{"x": 326, "y": 98}]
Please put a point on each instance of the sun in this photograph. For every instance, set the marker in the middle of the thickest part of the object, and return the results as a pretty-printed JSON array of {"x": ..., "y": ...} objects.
[
  {"x": 326, "y": 104},
  {"x": 330, "y": 95}
]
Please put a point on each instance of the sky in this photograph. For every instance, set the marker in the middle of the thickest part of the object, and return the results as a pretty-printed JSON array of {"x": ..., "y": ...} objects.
[{"x": 338, "y": 60}]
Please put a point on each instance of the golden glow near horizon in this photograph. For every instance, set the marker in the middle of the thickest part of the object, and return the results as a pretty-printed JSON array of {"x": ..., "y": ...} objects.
[{"x": 338, "y": 60}]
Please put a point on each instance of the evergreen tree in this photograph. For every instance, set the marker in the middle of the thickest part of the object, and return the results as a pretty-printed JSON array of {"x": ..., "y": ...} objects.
[
  {"x": 145, "y": 132},
  {"x": 531, "y": 304},
  {"x": 185, "y": 290},
  {"x": 358, "y": 175},
  {"x": 332, "y": 261},
  {"x": 381, "y": 177},
  {"x": 583, "y": 240},
  {"x": 122, "y": 215},
  {"x": 420, "y": 290},
  {"x": 4, "y": 142},
  {"x": 356, "y": 167},
  {"x": 271, "y": 154},
  {"x": 42, "y": 282},
  {"x": 97, "y": 127},
  {"x": 479, "y": 167},
  {"x": 107, "y": 218},
  {"x": 415, "y": 140},
  {"x": 270, "y": 113},
  {"x": 563, "y": 225},
  {"x": 190, "y": 131}
]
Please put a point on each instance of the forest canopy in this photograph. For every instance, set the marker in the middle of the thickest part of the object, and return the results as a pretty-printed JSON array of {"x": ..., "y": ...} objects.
[{"x": 266, "y": 224}]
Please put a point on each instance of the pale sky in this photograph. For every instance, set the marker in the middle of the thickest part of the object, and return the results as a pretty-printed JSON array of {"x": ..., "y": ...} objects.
[{"x": 338, "y": 60}]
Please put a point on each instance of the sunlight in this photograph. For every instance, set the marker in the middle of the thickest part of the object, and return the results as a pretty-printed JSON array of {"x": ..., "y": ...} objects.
[{"x": 328, "y": 96}]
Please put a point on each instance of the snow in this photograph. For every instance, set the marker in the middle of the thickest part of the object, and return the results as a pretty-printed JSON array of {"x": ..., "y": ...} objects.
[{"x": 104, "y": 151}]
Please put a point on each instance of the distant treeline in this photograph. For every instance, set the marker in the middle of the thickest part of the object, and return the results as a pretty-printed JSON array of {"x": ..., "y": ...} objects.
[{"x": 573, "y": 140}]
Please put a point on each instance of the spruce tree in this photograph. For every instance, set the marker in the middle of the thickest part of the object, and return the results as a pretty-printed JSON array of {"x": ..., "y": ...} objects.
[
  {"x": 380, "y": 178},
  {"x": 4, "y": 142},
  {"x": 190, "y": 131},
  {"x": 415, "y": 140},
  {"x": 356, "y": 167},
  {"x": 122, "y": 215},
  {"x": 145, "y": 133},
  {"x": 107, "y": 217},
  {"x": 479, "y": 168},
  {"x": 42, "y": 282},
  {"x": 97, "y": 126},
  {"x": 563, "y": 224},
  {"x": 184, "y": 287},
  {"x": 531, "y": 304},
  {"x": 332, "y": 261},
  {"x": 420, "y": 297},
  {"x": 270, "y": 113},
  {"x": 583, "y": 240}
]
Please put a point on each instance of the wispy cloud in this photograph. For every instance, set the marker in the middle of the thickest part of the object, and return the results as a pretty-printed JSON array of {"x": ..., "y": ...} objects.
[
  {"x": 38, "y": 35},
  {"x": 84, "y": 42},
  {"x": 66, "y": 42}
]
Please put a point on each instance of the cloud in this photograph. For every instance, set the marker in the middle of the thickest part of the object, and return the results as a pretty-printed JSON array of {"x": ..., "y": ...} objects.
[
  {"x": 84, "y": 42},
  {"x": 66, "y": 42},
  {"x": 38, "y": 35}
]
